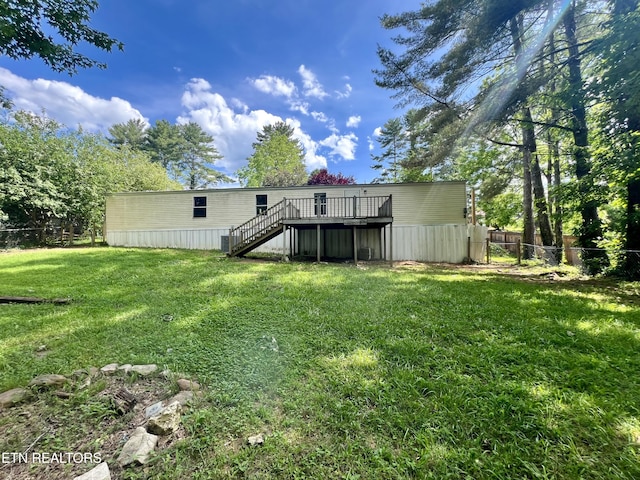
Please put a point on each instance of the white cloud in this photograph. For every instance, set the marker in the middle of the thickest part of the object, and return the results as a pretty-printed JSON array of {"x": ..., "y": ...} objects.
[
  {"x": 320, "y": 117},
  {"x": 233, "y": 131},
  {"x": 66, "y": 103},
  {"x": 354, "y": 121},
  {"x": 341, "y": 145},
  {"x": 377, "y": 132},
  {"x": 312, "y": 87},
  {"x": 347, "y": 92},
  {"x": 276, "y": 86}
]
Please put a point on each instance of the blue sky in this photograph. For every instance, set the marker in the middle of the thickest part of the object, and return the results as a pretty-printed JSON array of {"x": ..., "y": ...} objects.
[{"x": 233, "y": 67}]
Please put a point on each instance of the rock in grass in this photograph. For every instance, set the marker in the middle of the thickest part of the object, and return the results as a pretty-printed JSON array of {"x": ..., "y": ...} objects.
[
  {"x": 256, "y": 439},
  {"x": 12, "y": 397},
  {"x": 167, "y": 421},
  {"x": 49, "y": 380},
  {"x": 126, "y": 368},
  {"x": 144, "y": 370},
  {"x": 109, "y": 369},
  {"x": 153, "y": 410},
  {"x": 100, "y": 472},
  {"x": 183, "y": 398},
  {"x": 185, "y": 384},
  {"x": 138, "y": 448}
]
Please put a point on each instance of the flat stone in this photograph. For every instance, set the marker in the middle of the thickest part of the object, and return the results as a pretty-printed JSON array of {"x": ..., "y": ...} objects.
[
  {"x": 167, "y": 421},
  {"x": 144, "y": 370},
  {"x": 185, "y": 384},
  {"x": 109, "y": 369},
  {"x": 93, "y": 371},
  {"x": 183, "y": 398},
  {"x": 256, "y": 439},
  {"x": 12, "y": 397},
  {"x": 49, "y": 380},
  {"x": 138, "y": 448},
  {"x": 153, "y": 410},
  {"x": 100, "y": 472},
  {"x": 126, "y": 368}
]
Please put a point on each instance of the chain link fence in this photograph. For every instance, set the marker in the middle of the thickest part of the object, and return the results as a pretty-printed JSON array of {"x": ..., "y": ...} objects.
[{"x": 515, "y": 252}]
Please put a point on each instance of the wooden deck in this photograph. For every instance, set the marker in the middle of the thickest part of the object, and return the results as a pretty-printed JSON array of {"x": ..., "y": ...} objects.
[{"x": 304, "y": 213}]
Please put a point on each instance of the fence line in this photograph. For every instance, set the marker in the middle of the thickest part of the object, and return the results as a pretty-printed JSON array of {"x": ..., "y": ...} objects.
[
  {"x": 17, "y": 237},
  {"x": 573, "y": 255}
]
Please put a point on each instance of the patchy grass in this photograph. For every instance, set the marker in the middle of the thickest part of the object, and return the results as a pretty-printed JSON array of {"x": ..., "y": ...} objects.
[{"x": 411, "y": 372}]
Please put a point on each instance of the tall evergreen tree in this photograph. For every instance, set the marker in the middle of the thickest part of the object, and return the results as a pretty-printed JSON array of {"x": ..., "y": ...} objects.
[
  {"x": 393, "y": 141},
  {"x": 195, "y": 167},
  {"x": 132, "y": 133}
]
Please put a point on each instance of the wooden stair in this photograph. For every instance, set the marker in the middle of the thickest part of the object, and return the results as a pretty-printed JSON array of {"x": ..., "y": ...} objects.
[{"x": 253, "y": 233}]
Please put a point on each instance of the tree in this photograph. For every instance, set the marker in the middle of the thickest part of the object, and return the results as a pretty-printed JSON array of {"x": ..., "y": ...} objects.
[
  {"x": 52, "y": 30},
  {"x": 198, "y": 153},
  {"x": 52, "y": 174},
  {"x": 619, "y": 136},
  {"x": 33, "y": 169},
  {"x": 323, "y": 177},
  {"x": 133, "y": 133},
  {"x": 277, "y": 159},
  {"x": 163, "y": 143},
  {"x": 452, "y": 45},
  {"x": 394, "y": 143}
]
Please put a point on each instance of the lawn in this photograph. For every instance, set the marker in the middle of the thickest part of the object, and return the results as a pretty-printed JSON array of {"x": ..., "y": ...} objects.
[{"x": 366, "y": 372}]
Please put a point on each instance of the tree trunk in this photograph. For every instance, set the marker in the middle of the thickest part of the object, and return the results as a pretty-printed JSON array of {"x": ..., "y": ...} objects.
[
  {"x": 594, "y": 259},
  {"x": 532, "y": 175},
  {"x": 557, "y": 214},
  {"x": 632, "y": 257},
  {"x": 553, "y": 178},
  {"x": 529, "y": 232},
  {"x": 529, "y": 141}
]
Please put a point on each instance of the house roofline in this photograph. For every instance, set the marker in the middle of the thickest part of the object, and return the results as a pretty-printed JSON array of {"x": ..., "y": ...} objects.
[{"x": 262, "y": 189}]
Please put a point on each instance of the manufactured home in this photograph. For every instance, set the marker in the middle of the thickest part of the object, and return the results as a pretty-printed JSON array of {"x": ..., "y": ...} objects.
[{"x": 413, "y": 221}]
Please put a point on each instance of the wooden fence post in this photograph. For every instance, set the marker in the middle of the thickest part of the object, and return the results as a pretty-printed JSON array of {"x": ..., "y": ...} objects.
[{"x": 518, "y": 251}]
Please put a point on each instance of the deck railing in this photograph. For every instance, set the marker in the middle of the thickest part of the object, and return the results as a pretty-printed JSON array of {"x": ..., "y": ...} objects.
[
  {"x": 266, "y": 223},
  {"x": 338, "y": 207}
]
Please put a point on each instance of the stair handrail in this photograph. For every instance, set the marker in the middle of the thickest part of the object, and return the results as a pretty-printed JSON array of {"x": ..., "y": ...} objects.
[{"x": 256, "y": 226}]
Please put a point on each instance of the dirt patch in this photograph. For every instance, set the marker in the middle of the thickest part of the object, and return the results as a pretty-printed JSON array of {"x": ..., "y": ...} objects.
[{"x": 59, "y": 434}]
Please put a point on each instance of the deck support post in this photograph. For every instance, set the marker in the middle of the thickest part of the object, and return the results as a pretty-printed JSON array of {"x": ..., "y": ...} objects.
[
  {"x": 318, "y": 242},
  {"x": 391, "y": 243},
  {"x": 384, "y": 243},
  {"x": 284, "y": 242},
  {"x": 355, "y": 245},
  {"x": 291, "y": 243}
]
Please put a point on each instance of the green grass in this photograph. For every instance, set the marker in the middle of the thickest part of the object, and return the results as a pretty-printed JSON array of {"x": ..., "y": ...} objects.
[{"x": 410, "y": 372}]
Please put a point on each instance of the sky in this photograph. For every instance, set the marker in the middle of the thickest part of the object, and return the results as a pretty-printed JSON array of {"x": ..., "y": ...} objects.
[{"x": 233, "y": 67}]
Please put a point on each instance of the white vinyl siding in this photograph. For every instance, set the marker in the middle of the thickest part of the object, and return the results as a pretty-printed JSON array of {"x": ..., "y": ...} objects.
[{"x": 413, "y": 204}]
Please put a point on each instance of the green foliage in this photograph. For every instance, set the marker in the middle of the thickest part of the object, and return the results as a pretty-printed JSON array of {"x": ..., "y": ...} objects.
[
  {"x": 51, "y": 173},
  {"x": 185, "y": 151},
  {"x": 52, "y": 30},
  {"x": 502, "y": 211},
  {"x": 133, "y": 133},
  {"x": 277, "y": 159},
  {"x": 393, "y": 142},
  {"x": 197, "y": 154},
  {"x": 163, "y": 143}
]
